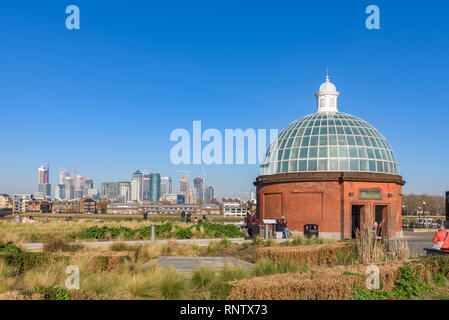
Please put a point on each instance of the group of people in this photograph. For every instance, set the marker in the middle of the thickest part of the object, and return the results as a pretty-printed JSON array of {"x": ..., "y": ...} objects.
[
  {"x": 24, "y": 219},
  {"x": 187, "y": 217}
]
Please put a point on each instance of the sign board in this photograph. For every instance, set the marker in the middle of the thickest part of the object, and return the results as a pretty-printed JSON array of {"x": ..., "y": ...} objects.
[
  {"x": 269, "y": 221},
  {"x": 369, "y": 194}
]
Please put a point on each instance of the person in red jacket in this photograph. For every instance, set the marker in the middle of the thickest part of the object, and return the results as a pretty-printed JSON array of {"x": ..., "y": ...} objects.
[{"x": 442, "y": 235}]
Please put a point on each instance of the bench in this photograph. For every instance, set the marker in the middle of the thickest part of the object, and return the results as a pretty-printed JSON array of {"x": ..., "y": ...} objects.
[{"x": 432, "y": 251}]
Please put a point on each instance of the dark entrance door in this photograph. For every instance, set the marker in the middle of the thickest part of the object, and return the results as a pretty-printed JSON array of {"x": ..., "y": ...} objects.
[
  {"x": 355, "y": 220},
  {"x": 380, "y": 218}
]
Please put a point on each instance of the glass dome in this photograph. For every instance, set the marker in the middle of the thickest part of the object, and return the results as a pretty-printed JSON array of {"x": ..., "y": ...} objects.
[{"x": 333, "y": 141}]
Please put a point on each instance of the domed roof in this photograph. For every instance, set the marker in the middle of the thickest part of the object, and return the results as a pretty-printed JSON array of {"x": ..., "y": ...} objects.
[{"x": 329, "y": 141}]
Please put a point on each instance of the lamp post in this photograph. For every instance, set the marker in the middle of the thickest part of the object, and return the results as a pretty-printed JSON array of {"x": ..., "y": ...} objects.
[{"x": 423, "y": 208}]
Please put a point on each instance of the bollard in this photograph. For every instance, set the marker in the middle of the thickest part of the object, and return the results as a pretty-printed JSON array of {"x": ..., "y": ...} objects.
[
  {"x": 267, "y": 231},
  {"x": 153, "y": 231}
]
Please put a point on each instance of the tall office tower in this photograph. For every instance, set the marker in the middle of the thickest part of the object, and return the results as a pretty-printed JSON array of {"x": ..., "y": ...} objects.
[
  {"x": 146, "y": 187},
  {"x": 125, "y": 191},
  {"x": 184, "y": 186},
  {"x": 110, "y": 191},
  {"x": 208, "y": 194},
  {"x": 79, "y": 191},
  {"x": 155, "y": 187},
  {"x": 166, "y": 186},
  {"x": 88, "y": 185},
  {"x": 44, "y": 186},
  {"x": 60, "y": 192},
  {"x": 136, "y": 186},
  {"x": 198, "y": 186},
  {"x": 43, "y": 175},
  {"x": 62, "y": 175},
  {"x": 69, "y": 188}
]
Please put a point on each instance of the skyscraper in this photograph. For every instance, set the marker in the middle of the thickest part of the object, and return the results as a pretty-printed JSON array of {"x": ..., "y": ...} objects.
[
  {"x": 146, "y": 187},
  {"x": 198, "y": 185},
  {"x": 69, "y": 188},
  {"x": 208, "y": 194},
  {"x": 166, "y": 186},
  {"x": 155, "y": 187},
  {"x": 44, "y": 186},
  {"x": 62, "y": 175},
  {"x": 136, "y": 186},
  {"x": 110, "y": 191},
  {"x": 125, "y": 191},
  {"x": 184, "y": 188}
]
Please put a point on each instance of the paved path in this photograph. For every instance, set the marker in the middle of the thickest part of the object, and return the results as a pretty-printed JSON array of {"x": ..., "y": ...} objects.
[
  {"x": 188, "y": 264},
  {"x": 417, "y": 241},
  {"x": 40, "y": 245}
]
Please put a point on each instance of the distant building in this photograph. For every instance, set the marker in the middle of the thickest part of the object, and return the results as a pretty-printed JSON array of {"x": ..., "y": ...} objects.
[
  {"x": 125, "y": 191},
  {"x": 67, "y": 206},
  {"x": 39, "y": 206},
  {"x": 123, "y": 208},
  {"x": 146, "y": 187},
  {"x": 21, "y": 202},
  {"x": 166, "y": 186},
  {"x": 181, "y": 199},
  {"x": 44, "y": 186},
  {"x": 110, "y": 191},
  {"x": 60, "y": 193},
  {"x": 170, "y": 197},
  {"x": 136, "y": 186},
  {"x": 69, "y": 188},
  {"x": 234, "y": 207},
  {"x": 155, "y": 187},
  {"x": 5, "y": 201},
  {"x": 94, "y": 194},
  {"x": 208, "y": 194},
  {"x": 209, "y": 209},
  {"x": 87, "y": 205},
  {"x": 184, "y": 188},
  {"x": 5, "y": 204},
  {"x": 198, "y": 187}
]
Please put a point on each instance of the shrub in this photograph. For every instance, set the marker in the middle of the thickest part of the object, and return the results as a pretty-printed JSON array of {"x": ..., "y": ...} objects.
[
  {"x": 25, "y": 261},
  {"x": 57, "y": 244},
  {"x": 9, "y": 247},
  {"x": 203, "y": 276},
  {"x": 172, "y": 285},
  {"x": 53, "y": 293}
]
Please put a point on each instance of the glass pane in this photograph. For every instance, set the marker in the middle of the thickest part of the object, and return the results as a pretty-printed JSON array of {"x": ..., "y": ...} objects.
[
  {"x": 333, "y": 165},
  {"x": 322, "y": 152},
  {"x": 344, "y": 164},
  {"x": 322, "y": 165},
  {"x": 313, "y": 152},
  {"x": 312, "y": 165},
  {"x": 302, "y": 165}
]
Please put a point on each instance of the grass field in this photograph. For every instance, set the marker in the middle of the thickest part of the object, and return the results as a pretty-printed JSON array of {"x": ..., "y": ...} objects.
[{"x": 295, "y": 269}]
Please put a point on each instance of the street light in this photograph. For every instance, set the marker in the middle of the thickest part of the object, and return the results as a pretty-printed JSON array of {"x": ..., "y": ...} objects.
[{"x": 423, "y": 208}]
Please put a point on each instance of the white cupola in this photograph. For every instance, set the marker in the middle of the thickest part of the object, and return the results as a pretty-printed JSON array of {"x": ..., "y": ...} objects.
[{"x": 327, "y": 97}]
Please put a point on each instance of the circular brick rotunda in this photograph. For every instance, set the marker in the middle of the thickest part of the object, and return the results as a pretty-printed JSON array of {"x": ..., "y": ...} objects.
[{"x": 334, "y": 170}]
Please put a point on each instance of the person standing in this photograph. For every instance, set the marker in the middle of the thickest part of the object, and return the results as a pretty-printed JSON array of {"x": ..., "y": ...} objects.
[
  {"x": 253, "y": 228},
  {"x": 183, "y": 216}
]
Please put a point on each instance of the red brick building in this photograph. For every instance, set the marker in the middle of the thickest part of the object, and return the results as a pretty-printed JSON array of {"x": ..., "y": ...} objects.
[{"x": 334, "y": 170}]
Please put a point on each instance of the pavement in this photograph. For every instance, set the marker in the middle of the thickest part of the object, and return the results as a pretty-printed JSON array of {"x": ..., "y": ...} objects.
[
  {"x": 188, "y": 264},
  {"x": 201, "y": 242},
  {"x": 417, "y": 241}
]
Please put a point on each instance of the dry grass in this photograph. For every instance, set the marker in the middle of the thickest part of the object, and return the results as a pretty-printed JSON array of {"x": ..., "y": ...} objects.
[
  {"x": 374, "y": 251},
  {"x": 313, "y": 255},
  {"x": 319, "y": 284}
]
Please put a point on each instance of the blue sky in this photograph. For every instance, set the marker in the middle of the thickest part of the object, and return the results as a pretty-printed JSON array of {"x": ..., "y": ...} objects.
[{"x": 106, "y": 97}]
